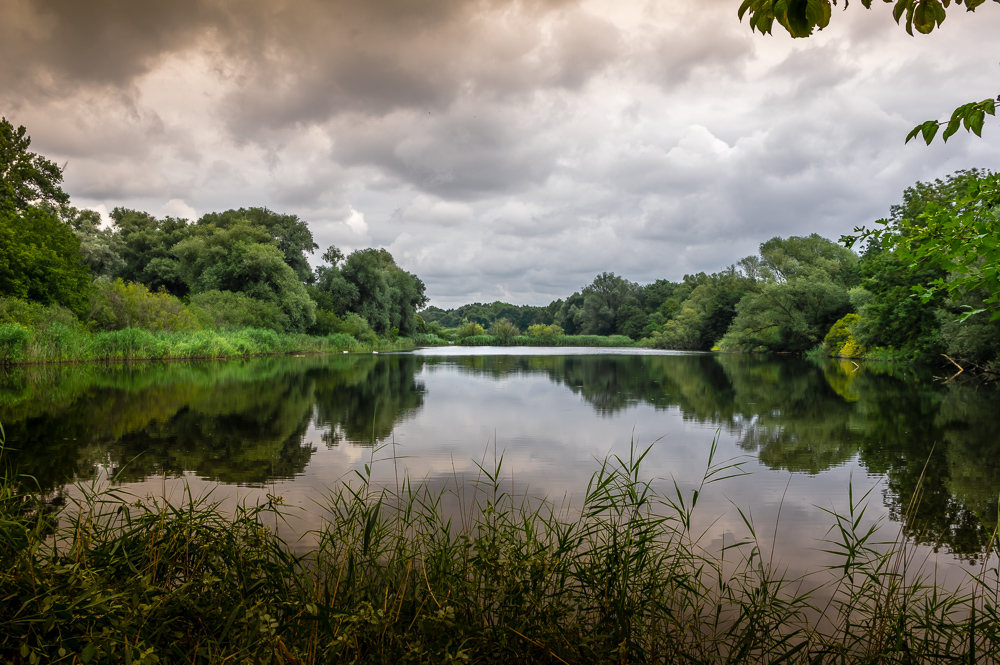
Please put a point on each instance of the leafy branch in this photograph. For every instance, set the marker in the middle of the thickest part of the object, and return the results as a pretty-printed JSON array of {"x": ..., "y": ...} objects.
[
  {"x": 970, "y": 116},
  {"x": 801, "y": 17}
]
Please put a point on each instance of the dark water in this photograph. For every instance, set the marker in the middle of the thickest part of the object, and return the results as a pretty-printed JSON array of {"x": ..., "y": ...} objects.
[{"x": 806, "y": 432}]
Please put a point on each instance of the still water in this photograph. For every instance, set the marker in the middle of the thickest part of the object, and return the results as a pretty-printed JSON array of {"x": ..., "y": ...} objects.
[{"x": 805, "y": 432}]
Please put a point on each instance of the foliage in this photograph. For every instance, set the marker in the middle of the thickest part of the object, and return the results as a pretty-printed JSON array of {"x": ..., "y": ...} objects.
[
  {"x": 40, "y": 260},
  {"x": 100, "y": 248},
  {"x": 290, "y": 234},
  {"x": 956, "y": 236},
  {"x": 385, "y": 295},
  {"x": 804, "y": 291},
  {"x": 840, "y": 341},
  {"x": 602, "y": 299},
  {"x": 469, "y": 329},
  {"x": 117, "y": 305},
  {"x": 522, "y": 316},
  {"x": 504, "y": 332},
  {"x": 243, "y": 258},
  {"x": 801, "y": 17},
  {"x": 146, "y": 246},
  {"x": 26, "y": 178},
  {"x": 546, "y": 332},
  {"x": 394, "y": 579},
  {"x": 227, "y": 309}
]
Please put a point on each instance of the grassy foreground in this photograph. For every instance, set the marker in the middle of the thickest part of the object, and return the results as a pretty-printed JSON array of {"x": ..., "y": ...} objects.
[{"x": 115, "y": 579}]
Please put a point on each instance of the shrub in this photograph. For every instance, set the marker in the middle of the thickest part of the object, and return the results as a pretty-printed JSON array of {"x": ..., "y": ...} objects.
[
  {"x": 228, "y": 309},
  {"x": 546, "y": 332},
  {"x": 33, "y": 314},
  {"x": 478, "y": 340},
  {"x": 117, "y": 306},
  {"x": 469, "y": 329},
  {"x": 504, "y": 331},
  {"x": 840, "y": 341},
  {"x": 13, "y": 340}
]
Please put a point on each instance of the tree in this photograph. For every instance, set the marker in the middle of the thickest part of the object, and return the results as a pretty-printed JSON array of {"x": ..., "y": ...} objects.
[
  {"x": 801, "y": 17},
  {"x": 40, "y": 260},
  {"x": 146, "y": 246},
  {"x": 804, "y": 291},
  {"x": 291, "y": 235},
  {"x": 386, "y": 295},
  {"x": 601, "y": 301},
  {"x": 950, "y": 228},
  {"x": 25, "y": 177},
  {"x": 243, "y": 258}
]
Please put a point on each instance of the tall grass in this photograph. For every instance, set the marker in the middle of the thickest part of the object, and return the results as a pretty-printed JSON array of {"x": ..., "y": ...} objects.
[
  {"x": 64, "y": 343},
  {"x": 398, "y": 577}
]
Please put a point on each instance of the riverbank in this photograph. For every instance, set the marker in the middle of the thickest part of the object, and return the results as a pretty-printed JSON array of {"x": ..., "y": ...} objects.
[
  {"x": 562, "y": 340},
  {"x": 65, "y": 344},
  {"x": 115, "y": 577}
]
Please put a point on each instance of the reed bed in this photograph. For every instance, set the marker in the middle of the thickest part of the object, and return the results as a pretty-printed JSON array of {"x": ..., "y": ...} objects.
[
  {"x": 63, "y": 343},
  {"x": 398, "y": 578}
]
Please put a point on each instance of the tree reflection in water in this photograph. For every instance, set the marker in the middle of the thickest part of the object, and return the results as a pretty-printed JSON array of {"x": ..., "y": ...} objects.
[{"x": 246, "y": 422}]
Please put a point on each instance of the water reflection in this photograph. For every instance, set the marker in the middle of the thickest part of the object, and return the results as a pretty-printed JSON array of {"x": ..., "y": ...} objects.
[{"x": 248, "y": 423}]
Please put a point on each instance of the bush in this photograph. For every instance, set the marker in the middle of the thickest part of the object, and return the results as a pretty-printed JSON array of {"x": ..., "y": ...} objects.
[
  {"x": 33, "y": 314},
  {"x": 478, "y": 340},
  {"x": 117, "y": 306},
  {"x": 545, "y": 332},
  {"x": 469, "y": 329},
  {"x": 13, "y": 339},
  {"x": 427, "y": 340},
  {"x": 840, "y": 341},
  {"x": 222, "y": 310},
  {"x": 327, "y": 323},
  {"x": 504, "y": 331}
]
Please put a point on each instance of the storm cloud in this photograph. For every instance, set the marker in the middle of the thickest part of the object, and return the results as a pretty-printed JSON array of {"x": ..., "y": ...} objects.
[{"x": 500, "y": 149}]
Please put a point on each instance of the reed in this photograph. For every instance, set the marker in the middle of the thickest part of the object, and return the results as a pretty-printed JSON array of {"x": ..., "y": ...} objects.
[{"x": 397, "y": 576}]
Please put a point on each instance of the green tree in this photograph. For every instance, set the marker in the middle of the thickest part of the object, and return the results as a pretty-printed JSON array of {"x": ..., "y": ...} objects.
[
  {"x": 291, "y": 235},
  {"x": 146, "y": 245},
  {"x": 25, "y": 177},
  {"x": 932, "y": 266},
  {"x": 602, "y": 299},
  {"x": 40, "y": 260},
  {"x": 387, "y": 296},
  {"x": 100, "y": 248},
  {"x": 244, "y": 258},
  {"x": 805, "y": 290},
  {"x": 504, "y": 331}
]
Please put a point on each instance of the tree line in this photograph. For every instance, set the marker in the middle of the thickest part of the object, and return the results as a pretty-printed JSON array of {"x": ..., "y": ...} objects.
[
  {"x": 243, "y": 267},
  {"x": 925, "y": 284}
]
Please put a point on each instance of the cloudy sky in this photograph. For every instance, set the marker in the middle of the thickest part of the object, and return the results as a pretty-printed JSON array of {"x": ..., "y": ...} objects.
[{"x": 500, "y": 149}]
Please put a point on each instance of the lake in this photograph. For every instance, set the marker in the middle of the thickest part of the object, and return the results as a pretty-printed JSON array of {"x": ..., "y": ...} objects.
[{"x": 805, "y": 432}]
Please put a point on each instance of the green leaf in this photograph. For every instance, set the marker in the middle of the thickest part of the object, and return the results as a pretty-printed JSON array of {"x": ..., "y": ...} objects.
[
  {"x": 929, "y": 129},
  {"x": 976, "y": 119},
  {"x": 923, "y": 19},
  {"x": 953, "y": 126},
  {"x": 901, "y": 6}
]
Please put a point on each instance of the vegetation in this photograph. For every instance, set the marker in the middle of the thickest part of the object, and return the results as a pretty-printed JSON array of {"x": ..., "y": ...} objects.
[
  {"x": 801, "y": 18},
  {"x": 212, "y": 279},
  {"x": 117, "y": 578},
  {"x": 926, "y": 284}
]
